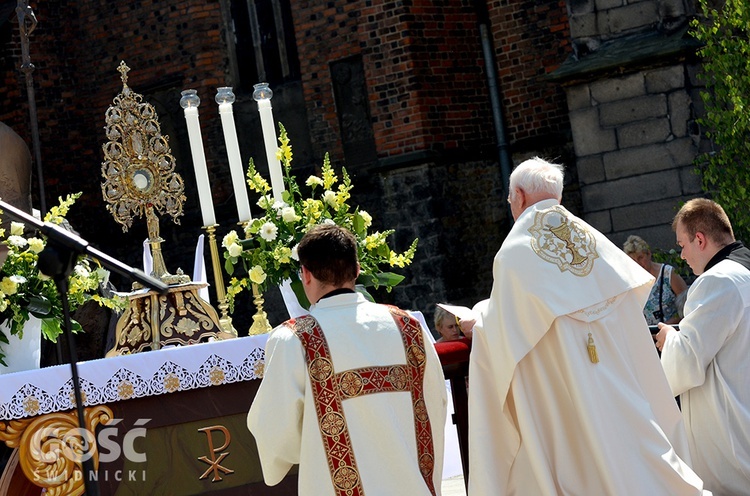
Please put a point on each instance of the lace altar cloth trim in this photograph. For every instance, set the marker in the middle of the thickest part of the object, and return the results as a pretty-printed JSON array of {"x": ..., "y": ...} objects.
[{"x": 37, "y": 392}]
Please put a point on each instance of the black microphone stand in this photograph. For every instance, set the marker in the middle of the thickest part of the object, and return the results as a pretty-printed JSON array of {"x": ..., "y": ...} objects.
[{"x": 57, "y": 261}]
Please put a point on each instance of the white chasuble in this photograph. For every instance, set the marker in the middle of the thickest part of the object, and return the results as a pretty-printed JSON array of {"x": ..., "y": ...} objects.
[
  {"x": 384, "y": 428},
  {"x": 566, "y": 393}
]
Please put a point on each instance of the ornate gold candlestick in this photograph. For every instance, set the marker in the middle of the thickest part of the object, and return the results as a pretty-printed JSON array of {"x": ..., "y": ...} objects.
[
  {"x": 225, "y": 320},
  {"x": 260, "y": 319}
]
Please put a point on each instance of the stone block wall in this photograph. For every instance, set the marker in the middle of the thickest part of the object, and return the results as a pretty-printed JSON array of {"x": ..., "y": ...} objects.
[
  {"x": 595, "y": 21},
  {"x": 635, "y": 154}
]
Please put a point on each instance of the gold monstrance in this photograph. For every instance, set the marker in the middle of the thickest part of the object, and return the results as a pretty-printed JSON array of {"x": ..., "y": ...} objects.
[{"x": 140, "y": 180}]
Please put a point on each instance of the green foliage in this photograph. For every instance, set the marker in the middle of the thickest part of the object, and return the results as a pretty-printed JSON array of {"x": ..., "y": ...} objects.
[
  {"x": 673, "y": 258},
  {"x": 267, "y": 251},
  {"x": 725, "y": 35}
]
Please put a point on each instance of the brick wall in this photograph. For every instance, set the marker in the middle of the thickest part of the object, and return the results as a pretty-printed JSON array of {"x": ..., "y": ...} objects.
[
  {"x": 423, "y": 66},
  {"x": 427, "y": 90},
  {"x": 532, "y": 39}
]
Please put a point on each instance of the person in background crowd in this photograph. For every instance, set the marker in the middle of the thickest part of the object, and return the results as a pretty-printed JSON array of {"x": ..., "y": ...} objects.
[
  {"x": 449, "y": 325},
  {"x": 566, "y": 393},
  {"x": 662, "y": 304},
  {"x": 353, "y": 393},
  {"x": 707, "y": 362}
]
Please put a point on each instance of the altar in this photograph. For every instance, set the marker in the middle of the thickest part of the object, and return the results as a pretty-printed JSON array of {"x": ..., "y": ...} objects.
[{"x": 167, "y": 421}]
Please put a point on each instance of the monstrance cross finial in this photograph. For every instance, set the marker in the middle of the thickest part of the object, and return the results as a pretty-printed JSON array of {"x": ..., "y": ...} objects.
[{"x": 123, "y": 70}]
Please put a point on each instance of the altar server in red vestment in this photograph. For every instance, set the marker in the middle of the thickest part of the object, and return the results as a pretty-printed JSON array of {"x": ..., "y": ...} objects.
[
  {"x": 566, "y": 392},
  {"x": 353, "y": 393}
]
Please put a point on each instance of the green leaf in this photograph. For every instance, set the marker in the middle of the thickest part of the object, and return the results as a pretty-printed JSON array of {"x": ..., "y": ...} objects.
[
  {"x": 381, "y": 278},
  {"x": 359, "y": 224},
  {"x": 51, "y": 329},
  {"x": 39, "y": 306},
  {"x": 229, "y": 266}
]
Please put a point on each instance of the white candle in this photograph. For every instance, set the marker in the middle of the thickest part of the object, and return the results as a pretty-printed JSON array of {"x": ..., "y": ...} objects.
[
  {"x": 269, "y": 139},
  {"x": 235, "y": 162},
  {"x": 199, "y": 159}
]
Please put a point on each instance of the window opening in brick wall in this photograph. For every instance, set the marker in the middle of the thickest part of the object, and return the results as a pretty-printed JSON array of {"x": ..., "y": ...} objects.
[{"x": 264, "y": 42}]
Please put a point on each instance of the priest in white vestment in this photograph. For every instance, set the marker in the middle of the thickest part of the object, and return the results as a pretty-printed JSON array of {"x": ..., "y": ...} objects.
[
  {"x": 566, "y": 393},
  {"x": 708, "y": 361},
  {"x": 355, "y": 393}
]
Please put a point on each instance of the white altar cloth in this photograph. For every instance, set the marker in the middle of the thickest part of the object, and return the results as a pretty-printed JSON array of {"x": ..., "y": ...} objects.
[{"x": 50, "y": 389}]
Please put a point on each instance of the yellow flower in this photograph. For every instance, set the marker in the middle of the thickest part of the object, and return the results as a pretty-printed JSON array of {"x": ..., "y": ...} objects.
[
  {"x": 9, "y": 285},
  {"x": 284, "y": 152},
  {"x": 235, "y": 250},
  {"x": 257, "y": 275},
  {"x": 373, "y": 241},
  {"x": 312, "y": 209},
  {"x": 255, "y": 181},
  {"x": 342, "y": 196},
  {"x": 3, "y": 304},
  {"x": 36, "y": 245},
  {"x": 16, "y": 228},
  {"x": 366, "y": 218},
  {"x": 329, "y": 177},
  {"x": 230, "y": 239},
  {"x": 57, "y": 213},
  {"x": 282, "y": 254}
]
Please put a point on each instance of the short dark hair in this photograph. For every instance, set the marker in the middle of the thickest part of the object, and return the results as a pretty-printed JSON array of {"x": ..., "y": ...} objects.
[
  {"x": 330, "y": 253},
  {"x": 706, "y": 216}
]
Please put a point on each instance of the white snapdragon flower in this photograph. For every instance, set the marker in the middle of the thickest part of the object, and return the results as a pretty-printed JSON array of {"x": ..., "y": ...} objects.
[
  {"x": 330, "y": 198},
  {"x": 268, "y": 231},
  {"x": 328, "y": 222},
  {"x": 16, "y": 228},
  {"x": 278, "y": 205}
]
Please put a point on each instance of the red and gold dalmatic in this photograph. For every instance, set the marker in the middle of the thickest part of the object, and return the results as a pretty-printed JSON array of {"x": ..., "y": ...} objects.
[{"x": 331, "y": 388}]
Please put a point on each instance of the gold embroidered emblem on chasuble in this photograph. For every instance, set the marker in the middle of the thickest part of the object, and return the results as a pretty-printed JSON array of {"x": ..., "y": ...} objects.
[{"x": 563, "y": 241}]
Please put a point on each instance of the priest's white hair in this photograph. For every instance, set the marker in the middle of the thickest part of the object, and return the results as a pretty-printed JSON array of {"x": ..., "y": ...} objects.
[{"x": 536, "y": 175}]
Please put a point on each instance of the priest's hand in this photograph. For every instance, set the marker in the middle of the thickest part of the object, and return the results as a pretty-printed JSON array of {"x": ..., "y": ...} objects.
[
  {"x": 467, "y": 327},
  {"x": 661, "y": 336}
]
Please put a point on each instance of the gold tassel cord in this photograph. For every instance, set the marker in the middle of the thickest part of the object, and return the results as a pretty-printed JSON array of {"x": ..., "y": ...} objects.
[{"x": 591, "y": 347}]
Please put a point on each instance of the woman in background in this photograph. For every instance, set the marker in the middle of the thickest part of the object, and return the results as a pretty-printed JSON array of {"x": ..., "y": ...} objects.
[{"x": 661, "y": 305}]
